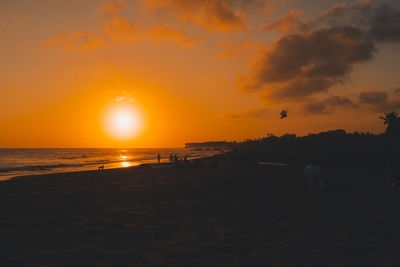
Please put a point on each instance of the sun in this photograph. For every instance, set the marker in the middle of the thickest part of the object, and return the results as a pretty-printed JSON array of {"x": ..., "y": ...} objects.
[{"x": 123, "y": 122}]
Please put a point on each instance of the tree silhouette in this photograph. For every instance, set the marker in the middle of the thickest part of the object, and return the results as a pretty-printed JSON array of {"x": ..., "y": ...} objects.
[{"x": 393, "y": 123}]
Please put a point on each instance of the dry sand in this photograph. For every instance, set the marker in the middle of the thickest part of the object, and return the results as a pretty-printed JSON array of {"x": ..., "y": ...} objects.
[{"x": 228, "y": 216}]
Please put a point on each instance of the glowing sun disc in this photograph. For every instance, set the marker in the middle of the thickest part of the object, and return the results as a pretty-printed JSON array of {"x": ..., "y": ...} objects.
[{"x": 123, "y": 122}]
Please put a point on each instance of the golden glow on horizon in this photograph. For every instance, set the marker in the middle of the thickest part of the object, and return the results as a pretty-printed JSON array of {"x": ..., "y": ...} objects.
[
  {"x": 124, "y": 74},
  {"x": 123, "y": 122}
]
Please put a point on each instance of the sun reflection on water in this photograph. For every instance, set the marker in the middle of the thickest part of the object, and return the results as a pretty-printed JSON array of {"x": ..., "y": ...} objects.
[{"x": 125, "y": 164}]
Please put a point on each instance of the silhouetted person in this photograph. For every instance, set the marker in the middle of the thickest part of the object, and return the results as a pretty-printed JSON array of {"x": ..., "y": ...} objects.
[
  {"x": 171, "y": 158},
  {"x": 283, "y": 114},
  {"x": 158, "y": 158},
  {"x": 314, "y": 180},
  {"x": 176, "y": 158}
]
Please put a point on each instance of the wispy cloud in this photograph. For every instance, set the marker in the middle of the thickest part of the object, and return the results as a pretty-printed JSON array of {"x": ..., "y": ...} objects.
[
  {"x": 111, "y": 7},
  {"x": 216, "y": 15},
  {"x": 123, "y": 31},
  {"x": 78, "y": 40},
  {"x": 288, "y": 23},
  {"x": 232, "y": 49},
  {"x": 125, "y": 97},
  {"x": 168, "y": 33}
]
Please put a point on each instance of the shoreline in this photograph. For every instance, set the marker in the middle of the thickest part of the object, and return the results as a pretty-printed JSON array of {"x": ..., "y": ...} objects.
[
  {"x": 83, "y": 171},
  {"x": 94, "y": 167}
]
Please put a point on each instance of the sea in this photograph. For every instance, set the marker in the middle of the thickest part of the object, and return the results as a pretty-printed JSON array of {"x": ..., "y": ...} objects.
[{"x": 23, "y": 161}]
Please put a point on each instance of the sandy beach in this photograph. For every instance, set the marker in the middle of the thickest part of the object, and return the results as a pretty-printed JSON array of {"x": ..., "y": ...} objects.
[{"x": 232, "y": 215}]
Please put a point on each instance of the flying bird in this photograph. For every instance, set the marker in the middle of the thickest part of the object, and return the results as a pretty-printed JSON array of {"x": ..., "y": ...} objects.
[{"x": 283, "y": 114}]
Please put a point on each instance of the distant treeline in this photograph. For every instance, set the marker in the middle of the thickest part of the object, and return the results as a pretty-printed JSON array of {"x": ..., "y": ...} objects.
[
  {"x": 213, "y": 145},
  {"x": 332, "y": 148}
]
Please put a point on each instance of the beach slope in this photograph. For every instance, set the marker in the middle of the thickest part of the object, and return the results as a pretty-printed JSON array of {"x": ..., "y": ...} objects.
[{"x": 234, "y": 214}]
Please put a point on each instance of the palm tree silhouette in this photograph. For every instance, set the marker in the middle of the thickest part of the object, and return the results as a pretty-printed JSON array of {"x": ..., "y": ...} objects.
[{"x": 393, "y": 123}]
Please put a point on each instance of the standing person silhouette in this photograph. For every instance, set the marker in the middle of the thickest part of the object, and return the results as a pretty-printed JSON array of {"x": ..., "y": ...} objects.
[
  {"x": 171, "y": 158},
  {"x": 158, "y": 158},
  {"x": 176, "y": 158},
  {"x": 314, "y": 180}
]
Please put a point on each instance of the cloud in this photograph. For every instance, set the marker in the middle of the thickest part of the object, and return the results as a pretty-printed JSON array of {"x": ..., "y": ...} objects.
[
  {"x": 304, "y": 64},
  {"x": 117, "y": 27},
  {"x": 78, "y": 40},
  {"x": 380, "y": 101},
  {"x": 232, "y": 49},
  {"x": 380, "y": 21},
  {"x": 167, "y": 32},
  {"x": 373, "y": 97},
  {"x": 385, "y": 26},
  {"x": 109, "y": 7},
  {"x": 126, "y": 97},
  {"x": 325, "y": 106},
  {"x": 313, "y": 57},
  {"x": 219, "y": 15},
  {"x": 123, "y": 31},
  {"x": 316, "y": 108},
  {"x": 288, "y": 23},
  {"x": 341, "y": 101},
  {"x": 330, "y": 104},
  {"x": 301, "y": 89},
  {"x": 356, "y": 14}
]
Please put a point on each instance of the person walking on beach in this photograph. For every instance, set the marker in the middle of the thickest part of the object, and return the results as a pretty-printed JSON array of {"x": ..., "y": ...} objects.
[
  {"x": 176, "y": 158},
  {"x": 171, "y": 158},
  {"x": 158, "y": 158}
]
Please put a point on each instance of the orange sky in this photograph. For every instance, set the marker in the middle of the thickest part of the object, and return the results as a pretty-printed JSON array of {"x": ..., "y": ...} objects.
[{"x": 194, "y": 70}]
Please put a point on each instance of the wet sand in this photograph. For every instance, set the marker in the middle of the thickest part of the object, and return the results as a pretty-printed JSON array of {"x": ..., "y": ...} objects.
[{"x": 237, "y": 214}]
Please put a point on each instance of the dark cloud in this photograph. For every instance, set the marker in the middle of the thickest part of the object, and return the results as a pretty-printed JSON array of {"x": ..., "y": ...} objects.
[
  {"x": 374, "y": 98},
  {"x": 380, "y": 21},
  {"x": 385, "y": 24},
  {"x": 316, "y": 108},
  {"x": 302, "y": 88},
  {"x": 317, "y": 58},
  {"x": 356, "y": 14},
  {"x": 340, "y": 101},
  {"x": 301, "y": 64},
  {"x": 287, "y": 23},
  {"x": 380, "y": 101},
  {"x": 329, "y": 104}
]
